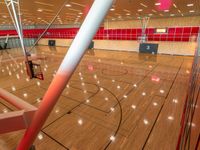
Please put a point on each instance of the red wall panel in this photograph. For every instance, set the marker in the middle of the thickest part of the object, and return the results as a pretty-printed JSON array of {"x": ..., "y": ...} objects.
[{"x": 174, "y": 34}]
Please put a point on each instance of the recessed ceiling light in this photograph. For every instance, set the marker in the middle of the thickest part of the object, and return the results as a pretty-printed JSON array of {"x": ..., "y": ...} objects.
[
  {"x": 112, "y": 9},
  {"x": 128, "y": 14},
  {"x": 190, "y": 5},
  {"x": 140, "y": 10},
  {"x": 175, "y": 5},
  {"x": 150, "y": 14},
  {"x": 80, "y": 13},
  {"x": 192, "y": 11},
  {"x": 166, "y": 10},
  {"x": 40, "y": 10},
  {"x": 157, "y": 4},
  {"x": 172, "y": 14},
  {"x": 68, "y": 5},
  {"x": 143, "y": 5}
]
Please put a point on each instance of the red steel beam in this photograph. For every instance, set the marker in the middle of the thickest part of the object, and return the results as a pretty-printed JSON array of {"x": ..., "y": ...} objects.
[{"x": 81, "y": 42}]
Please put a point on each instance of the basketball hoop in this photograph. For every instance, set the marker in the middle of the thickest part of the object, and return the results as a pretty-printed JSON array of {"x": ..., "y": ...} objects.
[
  {"x": 144, "y": 21},
  {"x": 34, "y": 70}
]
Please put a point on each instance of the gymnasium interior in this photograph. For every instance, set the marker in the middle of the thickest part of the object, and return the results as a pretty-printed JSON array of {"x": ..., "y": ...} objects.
[{"x": 99, "y": 75}]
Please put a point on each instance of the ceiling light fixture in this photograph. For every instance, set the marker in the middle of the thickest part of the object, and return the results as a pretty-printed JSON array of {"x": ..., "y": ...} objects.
[
  {"x": 175, "y": 5},
  {"x": 68, "y": 5},
  {"x": 40, "y": 10},
  {"x": 143, "y": 5},
  {"x": 190, "y": 5},
  {"x": 157, "y": 4},
  {"x": 192, "y": 11}
]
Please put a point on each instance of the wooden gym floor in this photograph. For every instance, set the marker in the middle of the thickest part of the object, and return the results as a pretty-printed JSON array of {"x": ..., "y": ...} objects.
[{"x": 150, "y": 89}]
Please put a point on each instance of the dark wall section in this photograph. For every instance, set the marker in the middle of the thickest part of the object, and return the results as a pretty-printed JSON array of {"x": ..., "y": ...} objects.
[{"x": 148, "y": 48}]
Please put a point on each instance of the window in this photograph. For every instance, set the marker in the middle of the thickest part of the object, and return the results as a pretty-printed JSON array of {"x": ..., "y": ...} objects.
[{"x": 161, "y": 30}]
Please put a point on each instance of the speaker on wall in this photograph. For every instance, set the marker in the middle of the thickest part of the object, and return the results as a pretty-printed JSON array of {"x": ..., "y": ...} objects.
[{"x": 52, "y": 43}]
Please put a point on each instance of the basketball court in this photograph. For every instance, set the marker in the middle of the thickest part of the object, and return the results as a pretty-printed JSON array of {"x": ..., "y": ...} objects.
[{"x": 99, "y": 75}]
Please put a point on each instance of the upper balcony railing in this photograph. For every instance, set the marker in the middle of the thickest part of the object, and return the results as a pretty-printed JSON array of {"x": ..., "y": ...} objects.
[{"x": 189, "y": 138}]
